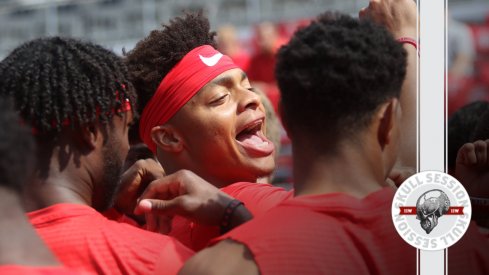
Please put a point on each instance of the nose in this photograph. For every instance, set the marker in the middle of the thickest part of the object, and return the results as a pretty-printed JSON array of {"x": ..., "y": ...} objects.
[{"x": 248, "y": 100}]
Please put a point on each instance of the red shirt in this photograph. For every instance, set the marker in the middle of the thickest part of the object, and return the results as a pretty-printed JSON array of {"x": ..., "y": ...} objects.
[
  {"x": 470, "y": 255},
  {"x": 258, "y": 198},
  {"x": 36, "y": 270},
  {"x": 85, "y": 240},
  {"x": 329, "y": 233},
  {"x": 262, "y": 68}
]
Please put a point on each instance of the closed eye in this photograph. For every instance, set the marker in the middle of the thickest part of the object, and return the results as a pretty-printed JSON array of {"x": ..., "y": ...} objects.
[{"x": 219, "y": 100}]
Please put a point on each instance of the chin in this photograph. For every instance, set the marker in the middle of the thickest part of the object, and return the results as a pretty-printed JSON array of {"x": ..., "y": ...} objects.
[{"x": 264, "y": 168}]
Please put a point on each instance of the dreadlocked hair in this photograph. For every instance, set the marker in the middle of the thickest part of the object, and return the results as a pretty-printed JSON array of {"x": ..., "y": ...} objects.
[
  {"x": 58, "y": 81},
  {"x": 154, "y": 56}
]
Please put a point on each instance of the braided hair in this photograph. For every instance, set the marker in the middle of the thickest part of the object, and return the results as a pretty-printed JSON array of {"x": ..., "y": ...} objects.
[
  {"x": 59, "y": 81},
  {"x": 154, "y": 56}
]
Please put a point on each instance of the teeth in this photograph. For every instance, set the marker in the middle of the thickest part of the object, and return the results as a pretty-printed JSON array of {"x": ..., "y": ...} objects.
[{"x": 251, "y": 129}]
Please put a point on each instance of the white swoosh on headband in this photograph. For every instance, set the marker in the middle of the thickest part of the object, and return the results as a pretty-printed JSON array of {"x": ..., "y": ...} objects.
[{"x": 211, "y": 61}]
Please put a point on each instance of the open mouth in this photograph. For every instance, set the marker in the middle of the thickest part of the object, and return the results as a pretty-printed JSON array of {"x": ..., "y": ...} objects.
[{"x": 253, "y": 139}]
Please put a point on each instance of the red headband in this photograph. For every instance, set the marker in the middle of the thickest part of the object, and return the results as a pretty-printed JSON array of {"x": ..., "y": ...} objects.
[{"x": 196, "y": 69}]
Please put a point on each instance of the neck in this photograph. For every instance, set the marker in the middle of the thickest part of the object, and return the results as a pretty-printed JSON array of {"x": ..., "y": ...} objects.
[
  {"x": 171, "y": 166},
  {"x": 352, "y": 169},
  {"x": 59, "y": 180},
  {"x": 218, "y": 181},
  {"x": 19, "y": 244}
]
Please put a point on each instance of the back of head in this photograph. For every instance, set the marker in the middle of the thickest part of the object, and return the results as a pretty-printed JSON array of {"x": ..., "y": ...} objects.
[
  {"x": 461, "y": 128},
  {"x": 153, "y": 57},
  {"x": 16, "y": 149},
  {"x": 481, "y": 130},
  {"x": 334, "y": 74},
  {"x": 62, "y": 82}
]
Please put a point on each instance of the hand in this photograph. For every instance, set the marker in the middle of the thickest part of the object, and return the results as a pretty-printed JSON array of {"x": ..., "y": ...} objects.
[
  {"x": 134, "y": 181},
  {"x": 399, "y": 174},
  {"x": 472, "y": 168},
  {"x": 158, "y": 223},
  {"x": 186, "y": 194},
  {"x": 398, "y": 16}
]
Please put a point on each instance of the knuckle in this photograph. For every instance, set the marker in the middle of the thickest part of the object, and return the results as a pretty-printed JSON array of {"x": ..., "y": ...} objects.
[
  {"x": 139, "y": 163},
  {"x": 479, "y": 145}
]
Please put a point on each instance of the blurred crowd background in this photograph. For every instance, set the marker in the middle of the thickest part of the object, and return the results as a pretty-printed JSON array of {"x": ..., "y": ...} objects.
[
  {"x": 467, "y": 53},
  {"x": 250, "y": 31}
]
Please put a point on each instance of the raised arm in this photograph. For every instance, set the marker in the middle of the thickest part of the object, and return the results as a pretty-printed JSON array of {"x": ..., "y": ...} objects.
[{"x": 400, "y": 18}]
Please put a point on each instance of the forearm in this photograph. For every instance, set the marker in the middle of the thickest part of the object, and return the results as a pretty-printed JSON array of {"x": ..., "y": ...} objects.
[
  {"x": 234, "y": 214},
  {"x": 407, "y": 155}
]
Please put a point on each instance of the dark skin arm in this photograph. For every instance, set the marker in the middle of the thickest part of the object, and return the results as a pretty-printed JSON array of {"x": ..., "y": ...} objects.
[
  {"x": 226, "y": 257},
  {"x": 400, "y": 19},
  {"x": 186, "y": 194}
]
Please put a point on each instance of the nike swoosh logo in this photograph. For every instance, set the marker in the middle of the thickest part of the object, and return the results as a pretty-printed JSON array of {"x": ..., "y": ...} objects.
[{"x": 211, "y": 61}]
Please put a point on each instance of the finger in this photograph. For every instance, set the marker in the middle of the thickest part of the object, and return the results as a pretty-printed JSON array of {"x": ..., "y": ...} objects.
[
  {"x": 135, "y": 179},
  {"x": 487, "y": 152},
  {"x": 160, "y": 207},
  {"x": 164, "y": 223},
  {"x": 151, "y": 223},
  {"x": 167, "y": 187},
  {"x": 481, "y": 153},
  {"x": 394, "y": 175},
  {"x": 362, "y": 14},
  {"x": 143, "y": 207},
  {"x": 390, "y": 182},
  {"x": 466, "y": 155}
]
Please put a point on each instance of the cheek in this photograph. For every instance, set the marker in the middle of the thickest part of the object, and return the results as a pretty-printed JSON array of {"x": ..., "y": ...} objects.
[
  {"x": 212, "y": 125},
  {"x": 123, "y": 143}
]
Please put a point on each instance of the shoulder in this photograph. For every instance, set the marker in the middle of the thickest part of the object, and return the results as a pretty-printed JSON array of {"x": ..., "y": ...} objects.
[
  {"x": 237, "y": 257},
  {"x": 19, "y": 270},
  {"x": 257, "y": 197}
]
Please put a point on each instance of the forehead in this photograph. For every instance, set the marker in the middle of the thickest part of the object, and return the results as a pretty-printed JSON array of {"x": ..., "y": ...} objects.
[
  {"x": 227, "y": 79},
  {"x": 229, "y": 76}
]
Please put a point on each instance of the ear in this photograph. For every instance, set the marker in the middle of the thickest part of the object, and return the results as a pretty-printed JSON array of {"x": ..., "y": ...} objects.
[
  {"x": 387, "y": 122},
  {"x": 90, "y": 136},
  {"x": 167, "y": 138},
  {"x": 87, "y": 138}
]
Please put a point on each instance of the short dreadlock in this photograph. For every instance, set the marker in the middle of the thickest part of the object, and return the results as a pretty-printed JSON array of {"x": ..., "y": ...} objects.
[{"x": 57, "y": 80}]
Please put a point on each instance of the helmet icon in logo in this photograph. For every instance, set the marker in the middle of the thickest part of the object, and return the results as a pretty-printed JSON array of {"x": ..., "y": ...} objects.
[{"x": 430, "y": 206}]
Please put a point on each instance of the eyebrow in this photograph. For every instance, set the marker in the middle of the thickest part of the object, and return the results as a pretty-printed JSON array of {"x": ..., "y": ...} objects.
[{"x": 222, "y": 81}]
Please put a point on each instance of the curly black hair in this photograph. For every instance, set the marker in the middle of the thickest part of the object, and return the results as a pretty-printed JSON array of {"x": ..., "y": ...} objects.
[
  {"x": 462, "y": 126},
  {"x": 334, "y": 74},
  {"x": 154, "y": 56},
  {"x": 58, "y": 80},
  {"x": 17, "y": 148},
  {"x": 481, "y": 130}
]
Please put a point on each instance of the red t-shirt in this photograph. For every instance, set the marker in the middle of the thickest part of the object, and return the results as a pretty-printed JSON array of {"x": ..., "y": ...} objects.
[
  {"x": 36, "y": 270},
  {"x": 470, "y": 255},
  {"x": 262, "y": 67},
  {"x": 85, "y": 240},
  {"x": 330, "y": 233},
  {"x": 258, "y": 198}
]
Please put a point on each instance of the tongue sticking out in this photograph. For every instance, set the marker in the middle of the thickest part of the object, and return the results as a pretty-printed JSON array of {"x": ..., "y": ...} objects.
[{"x": 256, "y": 143}]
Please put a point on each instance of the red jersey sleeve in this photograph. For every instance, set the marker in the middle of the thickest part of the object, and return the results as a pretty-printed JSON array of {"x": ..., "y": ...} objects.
[
  {"x": 258, "y": 198},
  {"x": 35, "y": 270}
]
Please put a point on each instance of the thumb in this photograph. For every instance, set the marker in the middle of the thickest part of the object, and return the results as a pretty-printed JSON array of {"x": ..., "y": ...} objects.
[
  {"x": 158, "y": 206},
  {"x": 362, "y": 14}
]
